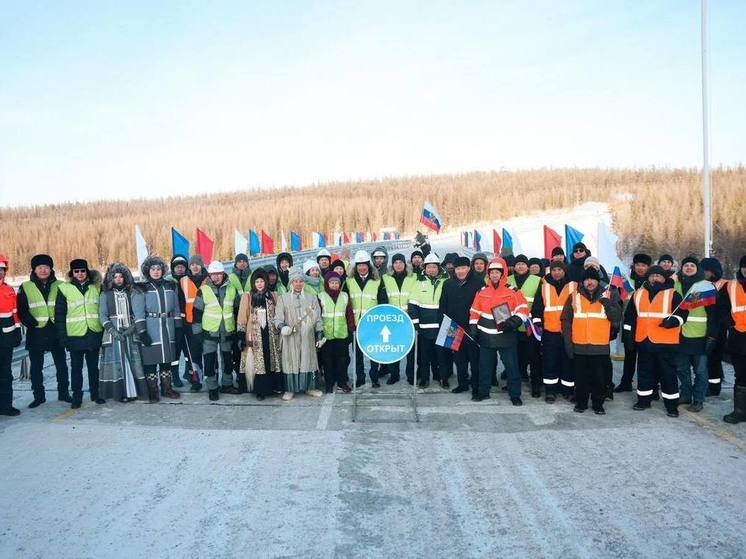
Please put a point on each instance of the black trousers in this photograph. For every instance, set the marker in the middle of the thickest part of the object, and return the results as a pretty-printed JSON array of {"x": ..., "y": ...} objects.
[
  {"x": 427, "y": 359},
  {"x": 630, "y": 363},
  {"x": 360, "y": 367},
  {"x": 739, "y": 364},
  {"x": 6, "y": 377},
  {"x": 529, "y": 356},
  {"x": 590, "y": 377},
  {"x": 334, "y": 354},
  {"x": 557, "y": 367},
  {"x": 36, "y": 356},
  {"x": 654, "y": 365},
  {"x": 715, "y": 364},
  {"x": 409, "y": 369},
  {"x": 76, "y": 371},
  {"x": 466, "y": 356},
  {"x": 190, "y": 345}
]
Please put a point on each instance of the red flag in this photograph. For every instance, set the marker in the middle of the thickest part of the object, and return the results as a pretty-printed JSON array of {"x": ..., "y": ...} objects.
[
  {"x": 496, "y": 242},
  {"x": 204, "y": 246},
  {"x": 268, "y": 245},
  {"x": 345, "y": 238},
  {"x": 552, "y": 240}
]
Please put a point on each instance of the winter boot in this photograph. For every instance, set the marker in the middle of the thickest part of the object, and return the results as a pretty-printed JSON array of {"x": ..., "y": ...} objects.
[
  {"x": 243, "y": 387},
  {"x": 168, "y": 390},
  {"x": 739, "y": 406},
  {"x": 64, "y": 396},
  {"x": 77, "y": 400},
  {"x": 214, "y": 395},
  {"x": 153, "y": 395}
]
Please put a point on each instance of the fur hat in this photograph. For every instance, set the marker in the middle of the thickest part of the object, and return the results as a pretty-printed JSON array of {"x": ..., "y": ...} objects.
[
  {"x": 690, "y": 260},
  {"x": 196, "y": 259},
  {"x": 557, "y": 251},
  {"x": 296, "y": 273},
  {"x": 742, "y": 262},
  {"x": 114, "y": 269},
  {"x": 42, "y": 260},
  {"x": 479, "y": 256},
  {"x": 592, "y": 261},
  {"x": 521, "y": 258},
  {"x": 591, "y": 273},
  {"x": 712, "y": 265},
  {"x": 664, "y": 257},
  {"x": 462, "y": 261},
  {"x": 151, "y": 261},
  {"x": 78, "y": 264},
  {"x": 642, "y": 258},
  {"x": 537, "y": 261},
  {"x": 657, "y": 270},
  {"x": 579, "y": 246},
  {"x": 284, "y": 256}
]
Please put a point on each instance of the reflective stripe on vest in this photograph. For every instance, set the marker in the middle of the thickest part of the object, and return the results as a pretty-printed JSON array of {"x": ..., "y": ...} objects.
[
  {"x": 213, "y": 314},
  {"x": 554, "y": 303},
  {"x": 82, "y": 310},
  {"x": 189, "y": 289},
  {"x": 590, "y": 326},
  {"x": 364, "y": 299},
  {"x": 737, "y": 297},
  {"x": 334, "y": 315},
  {"x": 399, "y": 297},
  {"x": 651, "y": 313},
  {"x": 696, "y": 322},
  {"x": 42, "y": 310},
  {"x": 236, "y": 283}
]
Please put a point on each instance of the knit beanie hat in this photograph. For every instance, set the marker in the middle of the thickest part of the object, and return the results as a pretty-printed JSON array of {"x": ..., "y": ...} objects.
[
  {"x": 196, "y": 259},
  {"x": 521, "y": 258},
  {"x": 657, "y": 270},
  {"x": 663, "y": 257},
  {"x": 241, "y": 257},
  {"x": 557, "y": 264},
  {"x": 557, "y": 250},
  {"x": 591, "y": 273},
  {"x": 398, "y": 257},
  {"x": 462, "y": 261}
]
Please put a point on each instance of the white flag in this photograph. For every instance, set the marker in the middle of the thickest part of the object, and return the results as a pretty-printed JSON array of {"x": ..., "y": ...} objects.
[
  {"x": 284, "y": 242},
  {"x": 240, "y": 243},
  {"x": 141, "y": 246}
]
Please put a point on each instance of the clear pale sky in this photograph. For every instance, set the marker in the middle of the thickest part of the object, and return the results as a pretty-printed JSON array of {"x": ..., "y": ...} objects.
[{"x": 125, "y": 99}]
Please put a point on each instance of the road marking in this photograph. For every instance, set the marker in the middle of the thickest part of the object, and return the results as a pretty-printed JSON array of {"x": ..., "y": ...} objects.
[
  {"x": 64, "y": 415},
  {"x": 326, "y": 412},
  {"x": 727, "y": 436}
]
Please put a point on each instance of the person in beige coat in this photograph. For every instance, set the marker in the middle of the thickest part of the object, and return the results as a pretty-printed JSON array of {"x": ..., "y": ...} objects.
[
  {"x": 298, "y": 318},
  {"x": 259, "y": 340}
]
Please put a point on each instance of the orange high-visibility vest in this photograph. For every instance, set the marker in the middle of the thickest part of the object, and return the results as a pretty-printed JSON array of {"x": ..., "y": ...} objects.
[
  {"x": 190, "y": 292},
  {"x": 590, "y": 326},
  {"x": 554, "y": 303},
  {"x": 720, "y": 283},
  {"x": 651, "y": 313},
  {"x": 737, "y": 297}
]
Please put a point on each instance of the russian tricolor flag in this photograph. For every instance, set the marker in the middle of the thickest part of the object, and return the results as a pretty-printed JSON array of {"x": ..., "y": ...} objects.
[
  {"x": 621, "y": 283},
  {"x": 430, "y": 217},
  {"x": 450, "y": 334},
  {"x": 701, "y": 294}
]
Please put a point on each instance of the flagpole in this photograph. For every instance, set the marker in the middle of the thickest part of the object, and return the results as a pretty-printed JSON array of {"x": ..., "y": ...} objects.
[{"x": 705, "y": 138}]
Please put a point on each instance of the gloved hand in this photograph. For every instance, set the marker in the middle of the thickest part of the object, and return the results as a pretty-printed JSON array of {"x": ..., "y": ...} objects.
[
  {"x": 512, "y": 324},
  {"x": 474, "y": 331},
  {"x": 710, "y": 345},
  {"x": 242, "y": 343},
  {"x": 606, "y": 303},
  {"x": 286, "y": 331},
  {"x": 117, "y": 335},
  {"x": 669, "y": 322},
  {"x": 320, "y": 343},
  {"x": 319, "y": 335},
  {"x": 145, "y": 339}
]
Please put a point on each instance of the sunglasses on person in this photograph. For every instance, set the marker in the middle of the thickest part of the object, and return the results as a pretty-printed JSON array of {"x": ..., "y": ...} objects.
[
  {"x": 579, "y": 250},
  {"x": 81, "y": 271}
]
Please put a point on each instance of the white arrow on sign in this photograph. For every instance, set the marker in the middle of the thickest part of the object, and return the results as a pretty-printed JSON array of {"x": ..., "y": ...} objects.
[{"x": 385, "y": 333}]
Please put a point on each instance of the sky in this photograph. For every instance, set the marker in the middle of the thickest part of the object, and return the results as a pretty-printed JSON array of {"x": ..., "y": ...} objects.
[{"x": 111, "y": 99}]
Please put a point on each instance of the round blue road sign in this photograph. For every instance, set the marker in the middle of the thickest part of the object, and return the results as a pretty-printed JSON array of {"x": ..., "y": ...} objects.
[{"x": 385, "y": 334}]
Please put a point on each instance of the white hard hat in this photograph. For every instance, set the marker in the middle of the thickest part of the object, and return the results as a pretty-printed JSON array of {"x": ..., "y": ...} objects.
[
  {"x": 216, "y": 267},
  {"x": 379, "y": 252},
  {"x": 432, "y": 258},
  {"x": 323, "y": 252},
  {"x": 361, "y": 257},
  {"x": 308, "y": 265}
]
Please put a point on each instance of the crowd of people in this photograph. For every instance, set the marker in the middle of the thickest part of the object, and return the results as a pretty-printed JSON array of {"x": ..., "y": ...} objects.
[{"x": 285, "y": 329}]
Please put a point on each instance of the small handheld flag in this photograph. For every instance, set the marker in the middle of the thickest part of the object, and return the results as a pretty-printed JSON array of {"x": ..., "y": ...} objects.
[
  {"x": 701, "y": 294},
  {"x": 533, "y": 328},
  {"x": 450, "y": 334},
  {"x": 621, "y": 283},
  {"x": 430, "y": 217}
]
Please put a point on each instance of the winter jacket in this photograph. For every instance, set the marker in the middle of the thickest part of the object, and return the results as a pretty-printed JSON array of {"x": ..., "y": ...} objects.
[
  {"x": 576, "y": 269},
  {"x": 696, "y": 345},
  {"x": 630, "y": 316},
  {"x": 199, "y": 308},
  {"x": 539, "y": 304},
  {"x": 155, "y": 306},
  {"x": 38, "y": 339},
  {"x": 736, "y": 338},
  {"x": 10, "y": 324},
  {"x": 457, "y": 297},
  {"x": 90, "y": 340},
  {"x": 424, "y": 306}
]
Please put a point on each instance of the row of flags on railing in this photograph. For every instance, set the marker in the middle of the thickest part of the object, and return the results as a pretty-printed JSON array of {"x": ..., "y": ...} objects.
[{"x": 504, "y": 243}]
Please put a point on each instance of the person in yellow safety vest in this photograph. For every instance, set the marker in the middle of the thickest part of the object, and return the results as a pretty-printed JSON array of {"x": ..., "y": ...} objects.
[
  {"x": 366, "y": 290},
  {"x": 10, "y": 337},
  {"x": 698, "y": 338},
  {"x": 313, "y": 284},
  {"x": 529, "y": 350},
  {"x": 424, "y": 309},
  {"x": 215, "y": 309},
  {"x": 79, "y": 327},
  {"x": 588, "y": 316},
  {"x": 284, "y": 262},
  {"x": 324, "y": 260},
  {"x": 188, "y": 343},
  {"x": 36, "y": 300},
  {"x": 399, "y": 283},
  {"x": 713, "y": 272},
  {"x": 733, "y": 313},
  {"x": 652, "y": 322},
  {"x": 550, "y": 299},
  {"x": 338, "y": 322}
]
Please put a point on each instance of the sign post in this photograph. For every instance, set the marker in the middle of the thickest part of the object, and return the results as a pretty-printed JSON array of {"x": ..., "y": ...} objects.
[{"x": 385, "y": 334}]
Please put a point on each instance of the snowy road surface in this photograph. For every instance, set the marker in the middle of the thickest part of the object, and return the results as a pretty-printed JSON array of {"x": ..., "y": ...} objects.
[{"x": 299, "y": 479}]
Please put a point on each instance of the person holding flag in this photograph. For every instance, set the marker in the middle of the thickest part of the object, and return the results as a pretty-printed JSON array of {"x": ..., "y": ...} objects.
[
  {"x": 713, "y": 272},
  {"x": 588, "y": 317},
  {"x": 554, "y": 292},
  {"x": 733, "y": 313},
  {"x": 455, "y": 301},
  {"x": 698, "y": 334},
  {"x": 423, "y": 308},
  {"x": 638, "y": 275},
  {"x": 652, "y": 322},
  {"x": 494, "y": 318}
]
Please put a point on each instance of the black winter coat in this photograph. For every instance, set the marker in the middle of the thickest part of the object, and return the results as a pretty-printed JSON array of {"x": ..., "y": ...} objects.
[
  {"x": 736, "y": 339},
  {"x": 90, "y": 340},
  {"x": 457, "y": 296},
  {"x": 38, "y": 339}
]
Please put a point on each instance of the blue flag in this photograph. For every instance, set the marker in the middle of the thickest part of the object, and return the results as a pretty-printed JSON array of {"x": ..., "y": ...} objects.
[
  {"x": 255, "y": 246},
  {"x": 179, "y": 244},
  {"x": 507, "y": 243},
  {"x": 295, "y": 243},
  {"x": 572, "y": 236}
]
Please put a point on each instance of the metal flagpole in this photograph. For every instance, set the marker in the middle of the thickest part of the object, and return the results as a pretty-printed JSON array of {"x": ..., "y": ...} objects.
[{"x": 705, "y": 138}]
